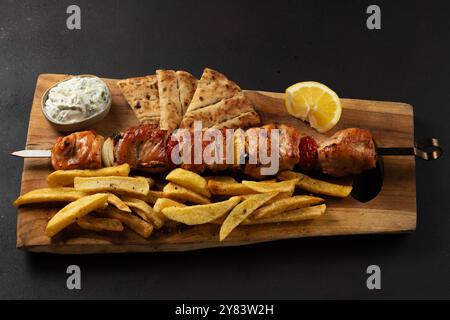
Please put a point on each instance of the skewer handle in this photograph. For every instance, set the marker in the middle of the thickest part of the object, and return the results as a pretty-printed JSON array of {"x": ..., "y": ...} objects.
[{"x": 429, "y": 149}]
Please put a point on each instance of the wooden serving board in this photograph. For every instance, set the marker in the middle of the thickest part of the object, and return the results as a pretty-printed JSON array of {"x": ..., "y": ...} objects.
[{"x": 394, "y": 210}]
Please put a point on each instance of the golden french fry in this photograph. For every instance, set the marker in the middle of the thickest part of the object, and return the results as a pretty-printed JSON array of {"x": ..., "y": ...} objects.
[
  {"x": 221, "y": 179},
  {"x": 176, "y": 192},
  {"x": 62, "y": 178},
  {"x": 117, "y": 202},
  {"x": 242, "y": 211},
  {"x": 316, "y": 186},
  {"x": 263, "y": 186},
  {"x": 117, "y": 185},
  {"x": 141, "y": 227},
  {"x": 142, "y": 209},
  {"x": 307, "y": 213},
  {"x": 74, "y": 210},
  {"x": 228, "y": 187},
  {"x": 200, "y": 214},
  {"x": 153, "y": 196},
  {"x": 279, "y": 196},
  {"x": 61, "y": 194},
  {"x": 286, "y": 204},
  {"x": 163, "y": 203},
  {"x": 100, "y": 224},
  {"x": 190, "y": 180},
  {"x": 150, "y": 181}
]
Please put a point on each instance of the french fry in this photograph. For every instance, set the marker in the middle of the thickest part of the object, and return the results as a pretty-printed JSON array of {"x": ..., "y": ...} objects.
[
  {"x": 176, "y": 192},
  {"x": 316, "y": 186},
  {"x": 163, "y": 203},
  {"x": 227, "y": 186},
  {"x": 142, "y": 209},
  {"x": 117, "y": 185},
  {"x": 222, "y": 179},
  {"x": 263, "y": 186},
  {"x": 301, "y": 214},
  {"x": 100, "y": 224},
  {"x": 242, "y": 211},
  {"x": 141, "y": 227},
  {"x": 279, "y": 196},
  {"x": 117, "y": 202},
  {"x": 286, "y": 204},
  {"x": 200, "y": 214},
  {"x": 74, "y": 210},
  {"x": 61, "y": 194},
  {"x": 190, "y": 180},
  {"x": 62, "y": 178},
  {"x": 150, "y": 181},
  {"x": 153, "y": 196}
]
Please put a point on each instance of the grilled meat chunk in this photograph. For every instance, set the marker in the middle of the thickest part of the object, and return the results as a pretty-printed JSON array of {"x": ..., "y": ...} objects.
[
  {"x": 288, "y": 142},
  {"x": 143, "y": 147},
  {"x": 78, "y": 150},
  {"x": 349, "y": 151}
]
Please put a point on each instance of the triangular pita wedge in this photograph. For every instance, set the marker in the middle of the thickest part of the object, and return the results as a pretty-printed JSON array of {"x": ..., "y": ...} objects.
[
  {"x": 211, "y": 88},
  {"x": 141, "y": 94},
  {"x": 187, "y": 84},
  {"x": 169, "y": 100},
  {"x": 234, "y": 112},
  {"x": 244, "y": 120}
]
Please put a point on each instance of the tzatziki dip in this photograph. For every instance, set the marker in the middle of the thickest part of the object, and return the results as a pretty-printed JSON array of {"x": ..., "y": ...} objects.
[{"x": 77, "y": 99}]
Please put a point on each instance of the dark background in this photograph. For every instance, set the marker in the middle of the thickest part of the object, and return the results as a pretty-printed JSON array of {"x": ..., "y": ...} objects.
[{"x": 260, "y": 45}]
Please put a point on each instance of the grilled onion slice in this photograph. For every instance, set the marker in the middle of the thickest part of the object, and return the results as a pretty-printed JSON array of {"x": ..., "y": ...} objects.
[{"x": 108, "y": 153}]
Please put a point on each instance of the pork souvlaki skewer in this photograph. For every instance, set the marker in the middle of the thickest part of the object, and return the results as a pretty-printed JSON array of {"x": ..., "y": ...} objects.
[{"x": 146, "y": 147}]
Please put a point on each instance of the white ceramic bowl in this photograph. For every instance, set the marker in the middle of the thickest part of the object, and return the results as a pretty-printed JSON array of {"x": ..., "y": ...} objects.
[{"x": 80, "y": 125}]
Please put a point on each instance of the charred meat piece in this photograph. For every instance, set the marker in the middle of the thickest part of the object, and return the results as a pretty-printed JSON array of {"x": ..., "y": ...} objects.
[
  {"x": 288, "y": 146},
  {"x": 78, "y": 150},
  {"x": 210, "y": 152},
  {"x": 143, "y": 147},
  {"x": 349, "y": 151}
]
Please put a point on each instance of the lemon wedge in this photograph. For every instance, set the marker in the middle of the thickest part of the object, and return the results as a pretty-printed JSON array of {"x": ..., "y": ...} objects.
[{"x": 314, "y": 102}]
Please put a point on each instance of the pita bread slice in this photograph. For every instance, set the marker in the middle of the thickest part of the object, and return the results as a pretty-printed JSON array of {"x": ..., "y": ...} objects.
[
  {"x": 244, "y": 120},
  {"x": 187, "y": 84},
  {"x": 169, "y": 100},
  {"x": 227, "y": 113},
  {"x": 211, "y": 88},
  {"x": 141, "y": 94}
]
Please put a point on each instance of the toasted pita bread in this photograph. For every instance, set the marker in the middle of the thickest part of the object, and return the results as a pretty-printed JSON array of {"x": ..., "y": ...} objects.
[
  {"x": 187, "y": 84},
  {"x": 216, "y": 114},
  {"x": 219, "y": 103},
  {"x": 141, "y": 94},
  {"x": 169, "y": 100},
  {"x": 211, "y": 88},
  {"x": 244, "y": 120}
]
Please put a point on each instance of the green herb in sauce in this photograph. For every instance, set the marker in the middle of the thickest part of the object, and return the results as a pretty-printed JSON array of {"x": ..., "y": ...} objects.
[{"x": 76, "y": 99}]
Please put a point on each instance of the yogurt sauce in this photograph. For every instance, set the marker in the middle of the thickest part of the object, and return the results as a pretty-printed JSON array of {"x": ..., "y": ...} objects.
[{"x": 77, "y": 99}]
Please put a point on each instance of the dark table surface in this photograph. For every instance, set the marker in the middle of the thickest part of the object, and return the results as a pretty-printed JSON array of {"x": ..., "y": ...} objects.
[{"x": 260, "y": 45}]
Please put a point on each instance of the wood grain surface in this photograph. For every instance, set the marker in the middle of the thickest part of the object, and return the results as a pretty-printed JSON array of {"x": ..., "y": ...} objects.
[{"x": 393, "y": 210}]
